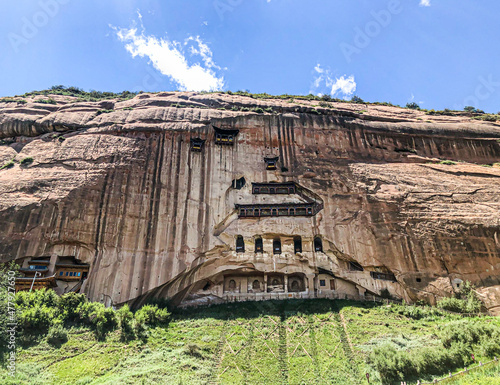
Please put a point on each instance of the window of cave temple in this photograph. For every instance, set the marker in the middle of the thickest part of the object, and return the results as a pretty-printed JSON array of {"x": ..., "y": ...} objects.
[
  {"x": 238, "y": 184},
  {"x": 256, "y": 285},
  {"x": 276, "y": 246},
  {"x": 318, "y": 244},
  {"x": 297, "y": 244},
  {"x": 275, "y": 282},
  {"x": 232, "y": 284},
  {"x": 354, "y": 266},
  {"x": 240, "y": 244},
  {"x": 295, "y": 285},
  {"x": 322, "y": 282},
  {"x": 259, "y": 247}
]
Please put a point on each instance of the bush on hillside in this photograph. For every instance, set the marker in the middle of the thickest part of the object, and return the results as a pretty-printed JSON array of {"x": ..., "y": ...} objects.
[
  {"x": 398, "y": 365},
  {"x": 98, "y": 317},
  {"x": 26, "y": 299},
  {"x": 125, "y": 321},
  {"x": 68, "y": 305},
  {"x": 469, "y": 333},
  {"x": 26, "y": 161},
  {"x": 464, "y": 301},
  {"x": 413, "y": 106},
  {"x": 105, "y": 321},
  {"x": 8, "y": 165},
  {"x": 152, "y": 315},
  {"x": 57, "y": 335},
  {"x": 36, "y": 319},
  {"x": 357, "y": 99}
]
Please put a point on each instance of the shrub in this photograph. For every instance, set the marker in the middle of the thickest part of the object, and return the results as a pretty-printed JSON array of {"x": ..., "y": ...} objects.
[
  {"x": 7, "y": 165},
  {"x": 413, "y": 312},
  {"x": 104, "y": 321},
  {"x": 26, "y": 161},
  {"x": 125, "y": 321},
  {"x": 452, "y": 304},
  {"x": 448, "y": 162},
  {"x": 259, "y": 110},
  {"x": 465, "y": 300},
  {"x": 10, "y": 100},
  {"x": 357, "y": 99},
  {"x": 69, "y": 304},
  {"x": 469, "y": 333},
  {"x": 86, "y": 311},
  {"x": 140, "y": 329},
  {"x": 488, "y": 117},
  {"x": 398, "y": 365},
  {"x": 57, "y": 335},
  {"x": 42, "y": 297},
  {"x": 152, "y": 315},
  {"x": 36, "y": 319},
  {"x": 413, "y": 106},
  {"x": 391, "y": 364},
  {"x": 46, "y": 101},
  {"x": 473, "y": 110}
]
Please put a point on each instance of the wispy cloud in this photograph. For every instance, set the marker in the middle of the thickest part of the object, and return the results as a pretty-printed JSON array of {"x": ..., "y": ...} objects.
[
  {"x": 323, "y": 82},
  {"x": 169, "y": 57},
  {"x": 425, "y": 3},
  {"x": 344, "y": 86}
]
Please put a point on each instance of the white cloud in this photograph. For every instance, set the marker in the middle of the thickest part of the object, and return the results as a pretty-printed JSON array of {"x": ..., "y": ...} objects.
[
  {"x": 425, "y": 3},
  {"x": 324, "y": 82},
  {"x": 344, "y": 87},
  {"x": 318, "y": 69},
  {"x": 169, "y": 58}
]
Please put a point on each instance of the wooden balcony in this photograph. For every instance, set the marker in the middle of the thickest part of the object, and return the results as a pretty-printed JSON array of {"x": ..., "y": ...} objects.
[
  {"x": 225, "y": 137},
  {"x": 274, "y": 188},
  {"x": 278, "y": 210}
]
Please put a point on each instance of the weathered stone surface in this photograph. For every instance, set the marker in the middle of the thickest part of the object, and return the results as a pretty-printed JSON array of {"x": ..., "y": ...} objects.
[{"x": 123, "y": 192}]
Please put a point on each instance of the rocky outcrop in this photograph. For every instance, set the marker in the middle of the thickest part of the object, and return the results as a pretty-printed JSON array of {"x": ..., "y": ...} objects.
[{"x": 116, "y": 185}]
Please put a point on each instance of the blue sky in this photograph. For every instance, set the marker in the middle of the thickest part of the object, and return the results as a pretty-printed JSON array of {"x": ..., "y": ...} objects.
[{"x": 438, "y": 53}]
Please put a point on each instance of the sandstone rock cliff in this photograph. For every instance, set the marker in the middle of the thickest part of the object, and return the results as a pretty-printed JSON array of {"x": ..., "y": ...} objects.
[{"x": 122, "y": 190}]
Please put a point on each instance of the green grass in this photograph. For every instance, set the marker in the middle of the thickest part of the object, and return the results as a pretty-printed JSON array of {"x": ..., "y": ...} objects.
[
  {"x": 10, "y": 100},
  {"x": 489, "y": 375},
  {"x": 82, "y": 95},
  {"x": 273, "y": 342},
  {"x": 46, "y": 101},
  {"x": 7, "y": 165},
  {"x": 26, "y": 161}
]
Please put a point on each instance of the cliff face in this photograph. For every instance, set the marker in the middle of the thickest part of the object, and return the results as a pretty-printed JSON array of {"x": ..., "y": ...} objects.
[{"x": 124, "y": 192}]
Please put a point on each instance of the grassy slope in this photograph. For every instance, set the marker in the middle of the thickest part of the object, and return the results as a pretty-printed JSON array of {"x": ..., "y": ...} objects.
[{"x": 290, "y": 342}]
